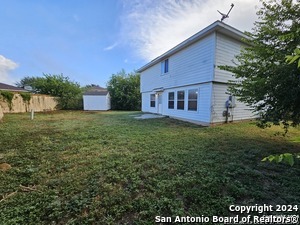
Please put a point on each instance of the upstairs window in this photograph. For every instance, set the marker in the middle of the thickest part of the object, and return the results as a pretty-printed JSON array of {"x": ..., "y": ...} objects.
[
  {"x": 192, "y": 100},
  {"x": 180, "y": 100},
  {"x": 165, "y": 66},
  {"x": 152, "y": 100},
  {"x": 171, "y": 100}
]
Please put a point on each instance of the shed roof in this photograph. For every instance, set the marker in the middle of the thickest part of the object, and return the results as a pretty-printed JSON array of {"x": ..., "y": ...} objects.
[
  {"x": 217, "y": 26},
  {"x": 96, "y": 91},
  {"x": 7, "y": 87}
]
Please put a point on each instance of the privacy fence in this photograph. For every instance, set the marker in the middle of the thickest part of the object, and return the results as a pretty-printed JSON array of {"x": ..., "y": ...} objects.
[{"x": 25, "y": 102}]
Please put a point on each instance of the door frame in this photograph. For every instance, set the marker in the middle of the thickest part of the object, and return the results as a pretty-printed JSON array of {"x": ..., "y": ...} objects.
[{"x": 159, "y": 102}]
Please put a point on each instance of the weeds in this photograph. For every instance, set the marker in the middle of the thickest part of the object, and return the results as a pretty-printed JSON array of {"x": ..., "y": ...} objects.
[{"x": 108, "y": 168}]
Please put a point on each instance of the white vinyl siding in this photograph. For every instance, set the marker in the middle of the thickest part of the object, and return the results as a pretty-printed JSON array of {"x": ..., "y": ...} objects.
[
  {"x": 146, "y": 103},
  {"x": 96, "y": 102},
  {"x": 219, "y": 98},
  {"x": 201, "y": 116},
  {"x": 226, "y": 50},
  {"x": 194, "y": 64}
]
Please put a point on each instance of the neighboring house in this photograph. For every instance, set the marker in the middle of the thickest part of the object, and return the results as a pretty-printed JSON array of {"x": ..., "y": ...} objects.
[
  {"x": 186, "y": 83},
  {"x": 7, "y": 87},
  {"x": 96, "y": 98}
]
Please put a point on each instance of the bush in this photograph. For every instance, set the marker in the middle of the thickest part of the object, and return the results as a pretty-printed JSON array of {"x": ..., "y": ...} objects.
[
  {"x": 26, "y": 97},
  {"x": 69, "y": 92},
  {"x": 8, "y": 97},
  {"x": 124, "y": 90}
]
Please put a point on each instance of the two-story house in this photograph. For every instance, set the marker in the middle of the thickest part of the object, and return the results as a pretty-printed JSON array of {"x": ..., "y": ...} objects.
[{"x": 186, "y": 83}]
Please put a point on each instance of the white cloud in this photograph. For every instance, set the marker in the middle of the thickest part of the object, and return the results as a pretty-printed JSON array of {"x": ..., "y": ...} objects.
[
  {"x": 154, "y": 26},
  {"x": 6, "y": 65},
  {"x": 110, "y": 47}
]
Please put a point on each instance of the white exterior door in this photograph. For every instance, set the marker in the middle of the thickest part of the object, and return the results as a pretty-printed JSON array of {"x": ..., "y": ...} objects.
[{"x": 159, "y": 101}]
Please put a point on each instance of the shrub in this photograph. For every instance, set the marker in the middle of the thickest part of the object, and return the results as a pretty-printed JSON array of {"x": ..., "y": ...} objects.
[
  {"x": 26, "y": 97},
  {"x": 8, "y": 97}
]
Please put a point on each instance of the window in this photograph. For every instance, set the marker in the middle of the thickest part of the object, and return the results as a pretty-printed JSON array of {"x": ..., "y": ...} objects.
[
  {"x": 192, "y": 101},
  {"x": 165, "y": 66},
  {"x": 180, "y": 100},
  {"x": 171, "y": 100},
  {"x": 152, "y": 100}
]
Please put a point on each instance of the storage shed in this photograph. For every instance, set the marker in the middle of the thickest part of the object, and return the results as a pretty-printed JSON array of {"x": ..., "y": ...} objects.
[{"x": 96, "y": 98}]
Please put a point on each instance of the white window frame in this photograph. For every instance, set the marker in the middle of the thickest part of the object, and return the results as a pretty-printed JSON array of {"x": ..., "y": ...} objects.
[
  {"x": 194, "y": 100},
  {"x": 171, "y": 100},
  {"x": 164, "y": 66},
  {"x": 151, "y": 101},
  {"x": 181, "y": 100}
]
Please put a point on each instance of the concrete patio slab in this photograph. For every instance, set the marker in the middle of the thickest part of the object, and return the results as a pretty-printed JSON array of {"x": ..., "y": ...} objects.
[{"x": 148, "y": 116}]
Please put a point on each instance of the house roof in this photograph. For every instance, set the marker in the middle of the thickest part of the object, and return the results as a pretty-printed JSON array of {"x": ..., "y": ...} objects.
[
  {"x": 96, "y": 91},
  {"x": 7, "y": 87},
  {"x": 217, "y": 26}
]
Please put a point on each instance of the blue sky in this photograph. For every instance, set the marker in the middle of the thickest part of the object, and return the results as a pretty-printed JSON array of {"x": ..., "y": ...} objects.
[{"x": 90, "y": 40}]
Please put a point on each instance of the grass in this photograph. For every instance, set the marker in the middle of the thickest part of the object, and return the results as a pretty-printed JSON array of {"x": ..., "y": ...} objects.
[{"x": 108, "y": 168}]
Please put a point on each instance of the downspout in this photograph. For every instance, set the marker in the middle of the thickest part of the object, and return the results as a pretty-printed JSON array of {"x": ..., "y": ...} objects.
[{"x": 213, "y": 77}]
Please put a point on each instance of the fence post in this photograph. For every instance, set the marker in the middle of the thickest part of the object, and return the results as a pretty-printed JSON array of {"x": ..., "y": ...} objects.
[{"x": 32, "y": 114}]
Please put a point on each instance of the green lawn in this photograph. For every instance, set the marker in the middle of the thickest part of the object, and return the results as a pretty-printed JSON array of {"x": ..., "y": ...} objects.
[{"x": 108, "y": 168}]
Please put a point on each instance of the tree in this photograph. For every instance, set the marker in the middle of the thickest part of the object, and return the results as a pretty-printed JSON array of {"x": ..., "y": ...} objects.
[
  {"x": 293, "y": 58},
  {"x": 124, "y": 90},
  {"x": 88, "y": 86},
  {"x": 266, "y": 82},
  {"x": 29, "y": 81},
  {"x": 69, "y": 92},
  {"x": 287, "y": 158}
]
